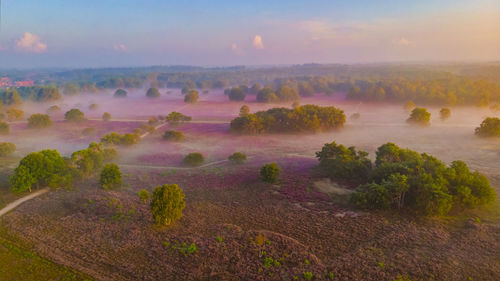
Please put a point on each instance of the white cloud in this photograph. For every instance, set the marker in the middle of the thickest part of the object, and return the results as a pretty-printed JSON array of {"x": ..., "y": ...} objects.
[
  {"x": 257, "y": 42},
  {"x": 236, "y": 49},
  {"x": 30, "y": 43},
  {"x": 120, "y": 47}
]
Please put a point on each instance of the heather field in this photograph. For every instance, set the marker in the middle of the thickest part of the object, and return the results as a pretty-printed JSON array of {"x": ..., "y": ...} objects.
[{"x": 299, "y": 228}]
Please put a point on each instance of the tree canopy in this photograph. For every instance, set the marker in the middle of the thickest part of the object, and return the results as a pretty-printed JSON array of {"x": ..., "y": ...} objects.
[
  {"x": 419, "y": 116},
  {"x": 111, "y": 177},
  {"x": 7, "y": 148},
  {"x": 490, "y": 127},
  {"x": 153, "y": 93},
  {"x": 191, "y": 97},
  {"x": 39, "y": 121},
  {"x": 167, "y": 204},
  {"x": 74, "y": 115}
]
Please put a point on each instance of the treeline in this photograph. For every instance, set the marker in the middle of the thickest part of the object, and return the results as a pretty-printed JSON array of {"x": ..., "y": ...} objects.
[
  {"x": 406, "y": 180},
  {"x": 14, "y": 96},
  {"x": 307, "y": 118}
]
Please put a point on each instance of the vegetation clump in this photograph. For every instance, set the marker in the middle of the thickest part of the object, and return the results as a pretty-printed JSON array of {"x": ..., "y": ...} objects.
[
  {"x": 244, "y": 110},
  {"x": 171, "y": 135},
  {"x": 270, "y": 172},
  {"x": 74, "y": 115},
  {"x": 7, "y": 148},
  {"x": 111, "y": 177},
  {"x": 191, "y": 97},
  {"x": 490, "y": 127},
  {"x": 87, "y": 161},
  {"x": 174, "y": 118},
  {"x": 114, "y": 138},
  {"x": 39, "y": 121},
  {"x": 14, "y": 114},
  {"x": 143, "y": 195},
  {"x": 237, "y": 158},
  {"x": 444, "y": 113},
  {"x": 193, "y": 159},
  {"x": 153, "y": 93},
  {"x": 120, "y": 93},
  {"x": 106, "y": 116},
  {"x": 4, "y": 128},
  {"x": 53, "y": 109},
  {"x": 419, "y": 116},
  {"x": 167, "y": 204},
  {"x": 236, "y": 94},
  {"x": 306, "y": 118}
]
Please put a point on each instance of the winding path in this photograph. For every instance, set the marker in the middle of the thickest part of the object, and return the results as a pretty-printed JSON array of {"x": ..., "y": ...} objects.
[{"x": 11, "y": 206}]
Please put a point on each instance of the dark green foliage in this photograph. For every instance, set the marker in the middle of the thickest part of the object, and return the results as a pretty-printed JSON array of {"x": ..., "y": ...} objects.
[
  {"x": 4, "y": 128},
  {"x": 87, "y": 161},
  {"x": 53, "y": 109},
  {"x": 344, "y": 163},
  {"x": 71, "y": 89},
  {"x": 120, "y": 93},
  {"x": 114, "y": 138},
  {"x": 419, "y": 116},
  {"x": 267, "y": 94},
  {"x": 48, "y": 94},
  {"x": 143, "y": 195},
  {"x": 74, "y": 115},
  {"x": 10, "y": 97},
  {"x": 93, "y": 106},
  {"x": 444, "y": 113},
  {"x": 237, "y": 158},
  {"x": 111, "y": 177},
  {"x": 171, "y": 135},
  {"x": 153, "y": 93},
  {"x": 7, "y": 148},
  {"x": 286, "y": 93},
  {"x": 306, "y": 89},
  {"x": 43, "y": 168},
  {"x": 191, "y": 97},
  {"x": 405, "y": 179},
  {"x": 236, "y": 94},
  {"x": 167, "y": 204},
  {"x": 307, "y": 118},
  {"x": 176, "y": 117},
  {"x": 193, "y": 159},
  {"x": 270, "y": 173},
  {"x": 39, "y": 121},
  {"x": 490, "y": 127}
]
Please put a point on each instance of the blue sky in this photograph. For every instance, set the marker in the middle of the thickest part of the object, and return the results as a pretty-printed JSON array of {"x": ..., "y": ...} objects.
[{"x": 97, "y": 33}]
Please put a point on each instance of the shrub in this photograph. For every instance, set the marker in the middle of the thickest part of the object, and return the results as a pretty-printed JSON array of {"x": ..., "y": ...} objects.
[
  {"x": 444, "y": 113},
  {"x": 74, "y": 115},
  {"x": 236, "y": 94},
  {"x": 176, "y": 117},
  {"x": 114, "y": 138},
  {"x": 39, "y": 121},
  {"x": 244, "y": 110},
  {"x": 171, "y": 135},
  {"x": 419, "y": 116},
  {"x": 53, "y": 109},
  {"x": 120, "y": 93},
  {"x": 153, "y": 93},
  {"x": 237, "y": 158},
  {"x": 93, "y": 106},
  {"x": 7, "y": 148},
  {"x": 191, "y": 97},
  {"x": 106, "y": 116},
  {"x": 143, "y": 195},
  {"x": 111, "y": 177},
  {"x": 167, "y": 204},
  {"x": 194, "y": 159},
  {"x": 89, "y": 131},
  {"x": 14, "y": 114},
  {"x": 270, "y": 173},
  {"x": 4, "y": 128},
  {"x": 409, "y": 106},
  {"x": 490, "y": 127}
]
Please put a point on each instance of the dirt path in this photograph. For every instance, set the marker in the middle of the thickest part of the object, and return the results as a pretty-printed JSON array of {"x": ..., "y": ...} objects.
[
  {"x": 11, "y": 206},
  {"x": 173, "y": 167}
]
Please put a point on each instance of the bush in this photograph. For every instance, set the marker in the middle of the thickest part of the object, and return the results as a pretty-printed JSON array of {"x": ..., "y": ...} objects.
[
  {"x": 194, "y": 159},
  {"x": 106, "y": 116},
  {"x": 237, "y": 158},
  {"x": 39, "y": 121},
  {"x": 409, "y": 106},
  {"x": 114, "y": 138},
  {"x": 143, "y": 195},
  {"x": 191, "y": 97},
  {"x": 176, "y": 117},
  {"x": 120, "y": 93},
  {"x": 270, "y": 173},
  {"x": 14, "y": 114},
  {"x": 244, "y": 110},
  {"x": 171, "y": 135},
  {"x": 74, "y": 115},
  {"x": 89, "y": 131},
  {"x": 93, "y": 106},
  {"x": 236, "y": 94},
  {"x": 153, "y": 93},
  {"x": 419, "y": 116},
  {"x": 490, "y": 127},
  {"x": 4, "y": 128},
  {"x": 444, "y": 113},
  {"x": 87, "y": 161},
  {"x": 167, "y": 204},
  {"x": 7, "y": 148},
  {"x": 111, "y": 177},
  {"x": 53, "y": 109}
]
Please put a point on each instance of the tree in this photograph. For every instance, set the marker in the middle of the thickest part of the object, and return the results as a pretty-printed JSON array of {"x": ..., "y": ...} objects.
[
  {"x": 167, "y": 204},
  {"x": 444, "y": 113},
  {"x": 93, "y": 106},
  {"x": 267, "y": 94},
  {"x": 89, "y": 131},
  {"x": 143, "y": 195},
  {"x": 286, "y": 94},
  {"x": 409, "y": 106},
  {"x": 270, "y": 173},
  {"x": 4, "y": 128},
  {"x": 53, "y": 109},
  {"x": 120, "y": 93},
  {"x": 236, "y": 94},
  {"x": 106, "y": 116},
  {"x": 191, "y": 97},
  {"x": 194, "y": 159},
  {"x": 70, "y": 89},
  {"x": 305, "y": 89},
  {"x": 237, "y": 158},
  {"x": 111, "y": 177},
  {"x": 176, "y": 117},
  {"x": 39, "y": 121},
  {"x": 244, "y": 110},
  {"x": 14, "y": 114},
  {"x": 171, "y": 135},
  {"x": 153, "y": 93},
  {"x": 419, "y": 116},
  {"x": 490, "y": 127},
  {"x": 254, "y": 90},
  {"x": 74, "y": 115},
  {"x": 48, "y": 94},
  {"x": 7, "y": 148}
]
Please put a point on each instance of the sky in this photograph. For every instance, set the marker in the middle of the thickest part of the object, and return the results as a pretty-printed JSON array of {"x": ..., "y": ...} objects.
[{"x": 115, "y": 33}]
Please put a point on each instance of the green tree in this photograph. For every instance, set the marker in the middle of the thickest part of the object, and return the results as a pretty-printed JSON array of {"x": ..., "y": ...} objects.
[
  {"x": 48, "y": 94},
  {"x": 111, "y": 177},
  {"x": 7, "y": 148},
  {"x": 171, "y": 135},
  {"x": 490, "y": 127},
  {"x": 194, "y": 159},
  {"x": 237, "y": 158},
  {"x": 39, "y": 121},
  {"x": 120, "y": 93},
  {"x": 236, "y": 94},
  {"x": 244, "y": 110},
  {"x": 153, "y": 93},
  {"x": 444, "y": 113},
  {"x": 409, "y": 106},
  {"x": 270, "y": 173},
  {"x": 4, "y": 128},
  {"x": 106, "y": 116},
  {"x": 191, "y": 97},
  {"x": 53, "y": 109},
  {"x": 70, "y": 89},
  {"x": 74, "y": 115},
  {"x": 143, "y": 195},
  {"x": 167, "y": 204},
  {"x": 419, "y": 116},
  {"x": 14, "y": 114}
]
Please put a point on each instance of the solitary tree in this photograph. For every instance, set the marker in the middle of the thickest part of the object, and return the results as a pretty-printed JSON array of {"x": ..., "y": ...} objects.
[
  {"x": 244, "y": 110},
  {"x": 191, "y": 97},
  {"x": 444, "y": 113},
  {"x": 39, "y": 121},
  {"x": 53, "y": 109},
  {"x": 167, "y": 204},
  {"x": 171, "y": 135},
  {"x": 14, "y": 114},
  {"x": 111, "y": 177},
  {"x": 106, "y": 116},
  {"x": 270, "y": 173},
  {"x": 236, "y": 94},
  {"x": 194, "y": 159},
  {"x": 490, "y": 127},
  {"x": 419, "y": 116},
  {"x": 7, "y": 148},
  {"x": 237, "y": 158},
  {"x": 143, "y": 195},
  {"x": 153, "y": 93},
  {"x": 74, "y": 115},
  {"x": 120, "y": 93}
]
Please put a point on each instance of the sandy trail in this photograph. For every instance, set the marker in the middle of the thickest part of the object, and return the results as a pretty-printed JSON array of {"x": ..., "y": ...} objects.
[
  {"x": 11, "y": 206},
  {"x": 173, "y": 167}
]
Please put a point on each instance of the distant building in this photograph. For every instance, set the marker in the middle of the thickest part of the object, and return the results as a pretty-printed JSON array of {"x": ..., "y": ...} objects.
[
  {"x": 27, "y": 83},
  {"x": 5, "y": 82}
]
